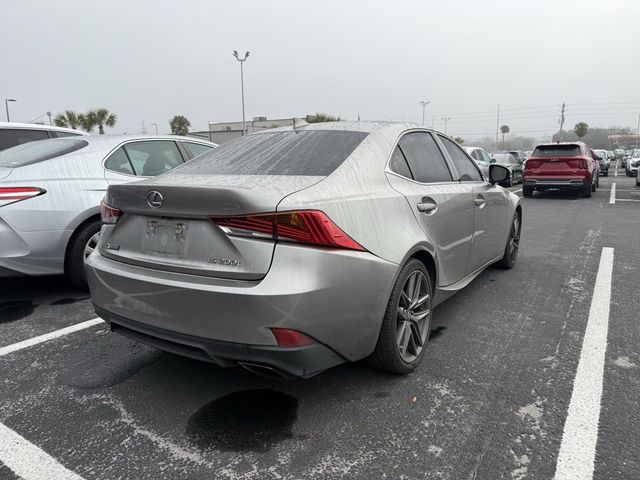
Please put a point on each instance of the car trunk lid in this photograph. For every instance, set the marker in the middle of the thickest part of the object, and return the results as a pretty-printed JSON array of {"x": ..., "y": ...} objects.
[{"x": 169, "y": 227}]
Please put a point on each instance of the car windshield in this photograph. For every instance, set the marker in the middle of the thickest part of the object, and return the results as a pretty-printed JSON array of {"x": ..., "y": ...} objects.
[
  {"x": 502, "y": 157},
  {"x": 38, "y": 151},
  {"x": 314, "y": 153},
  {"x": 557, "y": 151}
]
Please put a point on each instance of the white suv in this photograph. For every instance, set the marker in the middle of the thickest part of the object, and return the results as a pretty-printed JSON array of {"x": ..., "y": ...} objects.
[{"x": 12, "y": 134}]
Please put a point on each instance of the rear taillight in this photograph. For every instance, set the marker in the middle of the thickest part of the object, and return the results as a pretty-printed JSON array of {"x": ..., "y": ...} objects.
[
  {"x": 311, "y": 227},
  {"x": 109, "y": 214},
  {"x": 291, "y": 338},
  {"x": 15, "y": 194},
  {"x": 582, "y": 163}
]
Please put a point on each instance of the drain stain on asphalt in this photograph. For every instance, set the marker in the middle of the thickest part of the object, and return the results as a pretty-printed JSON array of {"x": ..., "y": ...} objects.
[
  {"x": 68, "y": 301},
  {"x": 106, "y": 361},
  {"x": 12, "y": 311},
  {"x": 249, "y": 420},
  {"x": 436, "y": 332}
]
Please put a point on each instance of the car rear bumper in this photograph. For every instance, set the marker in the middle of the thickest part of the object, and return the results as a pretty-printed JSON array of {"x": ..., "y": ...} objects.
[
  {"x": 302, "y": 362},
  {"x": 336, "y": 297},
  {"x": 555, "y": 183}
]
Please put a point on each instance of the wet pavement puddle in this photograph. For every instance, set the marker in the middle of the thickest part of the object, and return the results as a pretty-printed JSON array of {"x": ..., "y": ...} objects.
[{"x": 248, "y": 420}]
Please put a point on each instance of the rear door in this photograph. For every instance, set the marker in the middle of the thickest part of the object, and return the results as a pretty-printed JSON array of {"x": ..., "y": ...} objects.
[{"x": 442, "y": 206}]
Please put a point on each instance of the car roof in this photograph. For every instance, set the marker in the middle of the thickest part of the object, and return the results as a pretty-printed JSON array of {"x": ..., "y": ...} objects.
[
  {"x": 37, "y": 126},
  {"x": 354, "y": 126}
]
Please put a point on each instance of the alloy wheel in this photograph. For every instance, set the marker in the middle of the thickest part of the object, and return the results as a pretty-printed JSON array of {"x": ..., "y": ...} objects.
[
  {"x": 414, "y": 311},
  {"x": 91, "y": 245}
]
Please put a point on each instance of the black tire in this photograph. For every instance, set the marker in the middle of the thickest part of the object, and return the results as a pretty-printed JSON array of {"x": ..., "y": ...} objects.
[
  {"x": 387, "y": 355},
  {"x": 527, "y": 192},
  {"x": 74, "y": 260},
  {"x": 586, "y": 191},
  {"x": 508, "y": 260},
  {"x": 597, "y": 182}
]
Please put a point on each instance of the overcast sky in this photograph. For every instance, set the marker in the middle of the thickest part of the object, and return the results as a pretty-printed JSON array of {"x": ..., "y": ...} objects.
[{"x": 147, "y": 60}]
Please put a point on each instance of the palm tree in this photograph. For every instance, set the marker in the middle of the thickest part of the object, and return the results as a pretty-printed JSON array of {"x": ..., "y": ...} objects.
[
  {"x": 321, "y": 118},
  {"x": 504, "y": 129},
  {"x": 68, "y": 119},
  {"x": 179, "y": 125},
  {"x": 581, "y": 129},
  {"x": 99, "y": 118}
]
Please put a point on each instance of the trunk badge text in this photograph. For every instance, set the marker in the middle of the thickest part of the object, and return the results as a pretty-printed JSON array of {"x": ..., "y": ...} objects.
[
  {"x": 155, "y": 199},
  {"x": 225, "y": 261}
]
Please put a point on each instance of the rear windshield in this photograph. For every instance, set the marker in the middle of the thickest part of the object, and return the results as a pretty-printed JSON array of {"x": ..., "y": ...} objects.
[
  {"x": 34, "y": 152},
  {"x": 557, "y": 151},
  {"x": 314, "y": 153}
]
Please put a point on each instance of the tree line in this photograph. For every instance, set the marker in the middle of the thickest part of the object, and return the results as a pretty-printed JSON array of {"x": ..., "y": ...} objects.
[{"x": 100, "y": 118}]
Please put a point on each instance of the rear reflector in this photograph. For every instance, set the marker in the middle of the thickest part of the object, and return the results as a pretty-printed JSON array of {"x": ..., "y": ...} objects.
[
  {"x": 109, "y": 214},
  {"x": 311, "y": 227},
  {"x": 291, "y": 338},
  {"x": 15, "y": 194}
]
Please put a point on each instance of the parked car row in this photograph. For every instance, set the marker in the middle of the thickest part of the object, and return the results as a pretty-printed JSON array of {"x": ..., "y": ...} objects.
[{"x": 512, "y": 160}]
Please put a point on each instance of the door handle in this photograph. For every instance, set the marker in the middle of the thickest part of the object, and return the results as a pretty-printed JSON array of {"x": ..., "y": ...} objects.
[
  {"x": 427, "y": 208},
  {"x": 479, "y": 202}
]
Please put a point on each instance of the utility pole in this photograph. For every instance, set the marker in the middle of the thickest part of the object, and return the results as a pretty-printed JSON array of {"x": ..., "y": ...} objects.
[
  {"x": 562, "y": 121},
  {"x": 424, "y": 104},
  {"x": 445, "y": 120},
  {"x": 144, "y": 129},
  {"x": 49, "y": 115},
  {"x": 497, "y": 128},
  {"x": 241, "y": 60},
  {"x": 156, "y": 127},
  {"x": 637, "y": 132}
]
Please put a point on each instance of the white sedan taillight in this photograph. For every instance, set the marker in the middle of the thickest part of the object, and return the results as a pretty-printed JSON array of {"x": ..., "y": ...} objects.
[
  {"x": 16, "y": 194},
  {"x": 109, "y": 214}
]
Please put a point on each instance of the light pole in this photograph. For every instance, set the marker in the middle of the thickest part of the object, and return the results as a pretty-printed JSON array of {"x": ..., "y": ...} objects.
[
  {"x": 445, "y": 120},
  {"x": 156, "y": 127},
  {"x": 423, "y": 104},
  {"x": 241, "y": 60},
  {"x": 6, "y": 105},
  {"x": 49, "y": 115}
]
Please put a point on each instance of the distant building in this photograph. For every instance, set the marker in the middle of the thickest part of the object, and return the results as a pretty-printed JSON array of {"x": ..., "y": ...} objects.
[{"x": 224, "y": 131}]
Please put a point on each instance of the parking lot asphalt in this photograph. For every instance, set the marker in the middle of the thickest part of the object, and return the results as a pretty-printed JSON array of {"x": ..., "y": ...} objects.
[{"x": 489, "y": 401}]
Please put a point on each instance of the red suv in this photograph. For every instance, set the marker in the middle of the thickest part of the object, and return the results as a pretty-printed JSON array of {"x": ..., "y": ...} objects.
[{"x": 561, "y": 166}]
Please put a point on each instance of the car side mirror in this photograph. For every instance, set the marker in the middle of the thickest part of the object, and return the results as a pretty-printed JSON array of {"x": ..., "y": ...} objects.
[
  {"x": 493, "y": 160},
  {"x": 498, "y": 174}
]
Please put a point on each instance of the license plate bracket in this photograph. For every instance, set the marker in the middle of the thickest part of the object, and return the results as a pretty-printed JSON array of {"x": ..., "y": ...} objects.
[{"x": 165, "y": 237}]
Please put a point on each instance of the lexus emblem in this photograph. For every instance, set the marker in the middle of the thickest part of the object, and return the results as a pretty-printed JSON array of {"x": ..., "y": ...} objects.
[{"x": 155, "y": 199}]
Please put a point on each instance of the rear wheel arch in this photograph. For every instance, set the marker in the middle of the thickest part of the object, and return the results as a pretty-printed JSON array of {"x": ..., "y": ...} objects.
[
  {"x": 71, "y": 269},
  {"x": 429, "y": 263}
]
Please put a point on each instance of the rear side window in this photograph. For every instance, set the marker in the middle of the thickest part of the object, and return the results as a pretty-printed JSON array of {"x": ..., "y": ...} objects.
[
  {"x": 426, "y": 162},
  {"x": 398, "y": 164},
  {"x": 196, "y": 149},
  {"x": 11, "y": 137},
  {"x": 557, "y": 151},
  {"x": 151, "y": 158},
  {"x": 34, "y": 152},
  {"x": 314, "y": 153},
  {"x": 119, "y": 162}
]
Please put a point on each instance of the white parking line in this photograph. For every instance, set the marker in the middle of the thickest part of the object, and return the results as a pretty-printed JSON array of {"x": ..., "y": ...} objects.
[
  {"x": 627, "y": 200},
  {"x": 578, "y": 448},
  {"x": 615, "y": 173},
  {"x": 612, "y": 196},
  {"x": 517, "y": 191},
  {"x": 28, "y": 461},
  {"x": 48, "y": 336}
]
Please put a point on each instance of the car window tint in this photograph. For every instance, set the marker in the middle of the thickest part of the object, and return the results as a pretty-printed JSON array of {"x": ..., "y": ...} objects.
[
  {"x": 556, "y": 151},
  {"x": 398, "y": 164},
  {"x": 119, "y": 162},
  {"x": 424, "y": 158},
  {"x": 464, "y": 165},
  {"x": 151, "y": 158},
  {"x": 39, "y": 151},
  {"x": 196, "y": 149},
  {"x": 11, "y": 137},
  {"x": 312, "y": 152}
]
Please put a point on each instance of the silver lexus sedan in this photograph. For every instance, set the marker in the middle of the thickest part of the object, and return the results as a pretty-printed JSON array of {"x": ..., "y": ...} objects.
[
  {"x": 50, "y": 192},
  {"x": 293, "y": 250}
]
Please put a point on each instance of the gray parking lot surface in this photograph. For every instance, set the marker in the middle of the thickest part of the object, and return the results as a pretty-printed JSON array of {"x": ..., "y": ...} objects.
[{"x": 489, "y": 400}]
